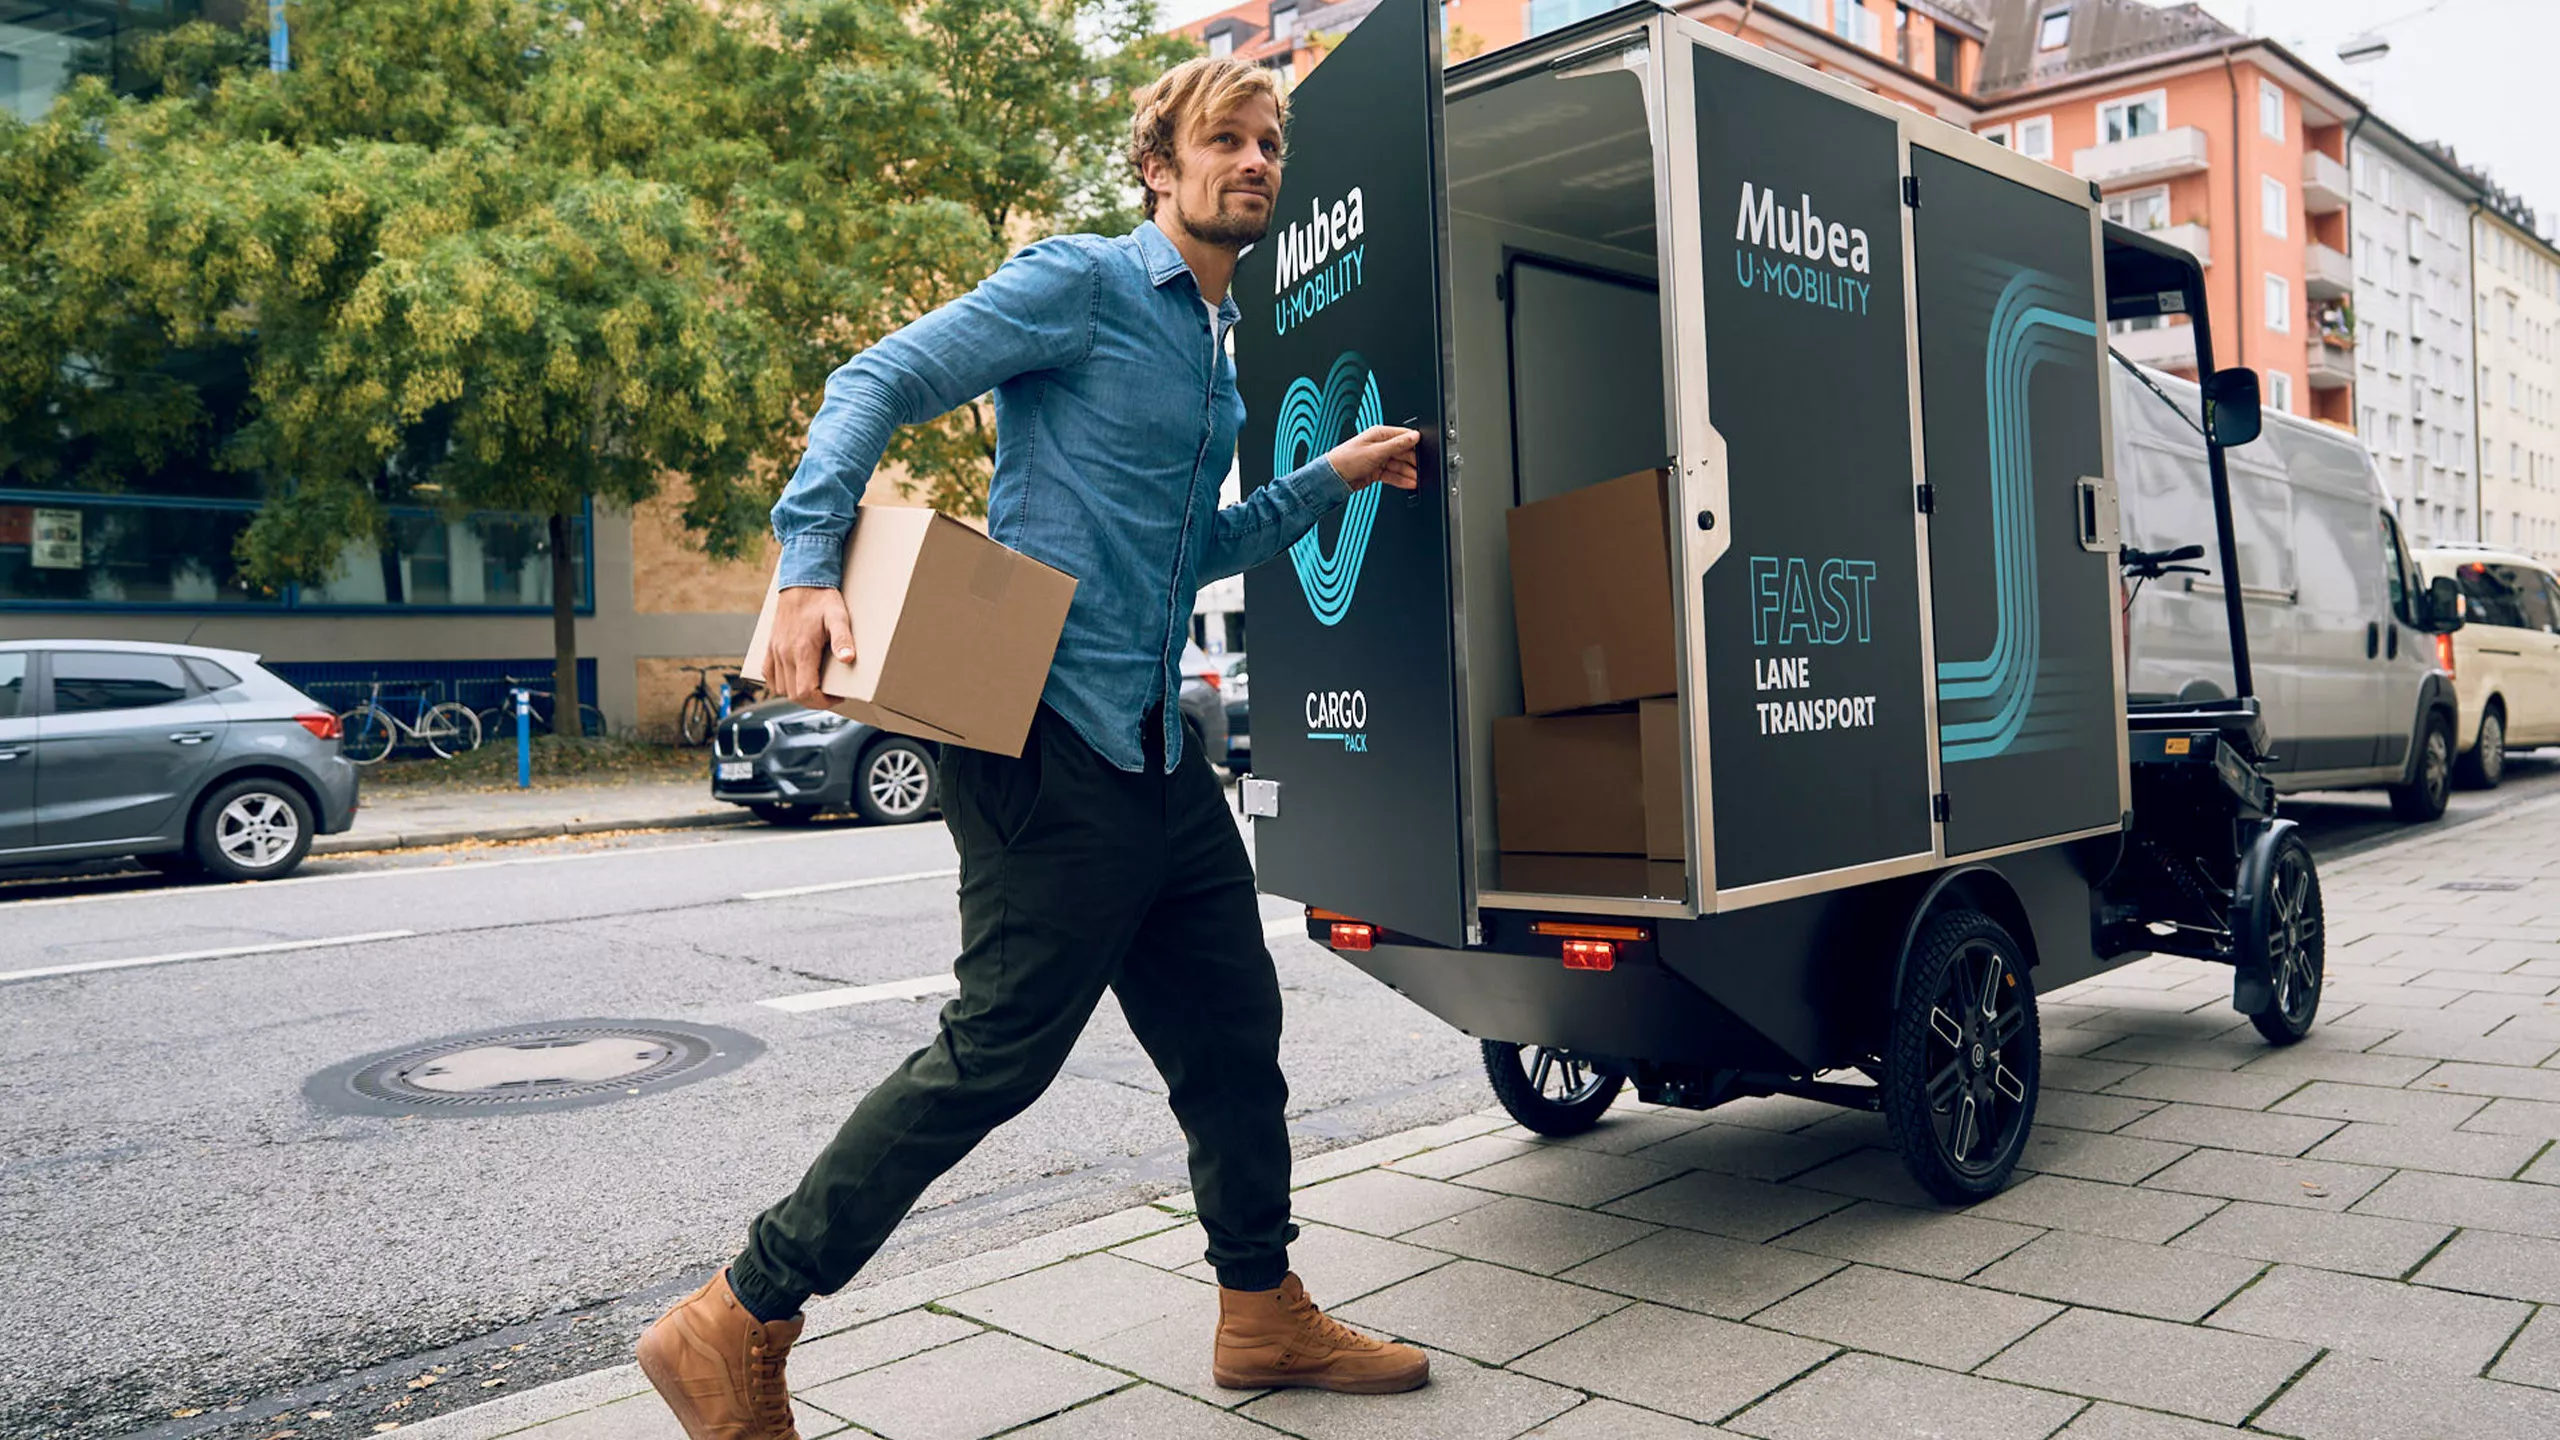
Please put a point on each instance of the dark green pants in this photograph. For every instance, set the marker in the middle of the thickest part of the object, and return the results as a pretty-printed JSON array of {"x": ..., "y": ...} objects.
[{"x": 1075, "y": 876}]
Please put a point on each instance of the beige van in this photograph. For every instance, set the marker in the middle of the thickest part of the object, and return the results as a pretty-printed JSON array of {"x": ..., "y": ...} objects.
[{"x": 2505, "y": 658}]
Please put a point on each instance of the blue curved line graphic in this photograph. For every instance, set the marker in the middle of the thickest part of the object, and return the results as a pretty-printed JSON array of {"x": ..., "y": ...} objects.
[
  {"x": 1313, "y": 420},
  {"x": 2029, "y": 328}
]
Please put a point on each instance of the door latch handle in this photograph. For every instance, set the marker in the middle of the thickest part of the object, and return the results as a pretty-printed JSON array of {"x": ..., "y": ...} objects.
[
  {"x": 192, "y": 737},
  {"x": 12, "y": 754},
  {"x": 2372, "y": 638},
  {"x": 2391, "y": 647}
]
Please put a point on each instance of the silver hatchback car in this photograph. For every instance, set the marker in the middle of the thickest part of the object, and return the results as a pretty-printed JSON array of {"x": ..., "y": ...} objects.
[{"x": 196, "y": 761}]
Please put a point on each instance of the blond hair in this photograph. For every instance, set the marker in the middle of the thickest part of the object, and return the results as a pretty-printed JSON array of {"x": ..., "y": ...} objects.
[{"x": 1208, "y": 87}]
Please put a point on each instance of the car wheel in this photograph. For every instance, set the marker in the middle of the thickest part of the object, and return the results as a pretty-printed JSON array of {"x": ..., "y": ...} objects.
[
  {"x": 254, "y": 829},
  {"x": 785, "y": 814},
  {"x": 2486, "y": 765},
  {"x": 2422, "y": 796},
  {"x": 895, "y": 783}
]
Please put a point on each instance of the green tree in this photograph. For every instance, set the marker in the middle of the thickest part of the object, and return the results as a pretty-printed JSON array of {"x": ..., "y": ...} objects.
[{"x": 497, "y": 255}]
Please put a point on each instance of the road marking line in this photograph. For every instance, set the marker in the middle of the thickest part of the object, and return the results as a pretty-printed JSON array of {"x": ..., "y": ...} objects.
[
  {"x": 199, "y": 891},
  {"x": 909, "y": 878},
  {"x": 225, "y": 953},
  {"x": 923, "y": 986}
]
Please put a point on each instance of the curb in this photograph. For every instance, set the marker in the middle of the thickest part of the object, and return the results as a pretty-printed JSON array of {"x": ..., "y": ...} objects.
[{"x": 421, "y": 839}]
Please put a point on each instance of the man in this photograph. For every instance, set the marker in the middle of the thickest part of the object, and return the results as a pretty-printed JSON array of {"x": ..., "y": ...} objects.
[{"x": 1105, "y": 855}]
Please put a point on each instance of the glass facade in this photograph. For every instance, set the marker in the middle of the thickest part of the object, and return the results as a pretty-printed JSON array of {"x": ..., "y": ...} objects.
[
  {"x": 45, "y": 44},
  {"x": 64, "y": 549}
]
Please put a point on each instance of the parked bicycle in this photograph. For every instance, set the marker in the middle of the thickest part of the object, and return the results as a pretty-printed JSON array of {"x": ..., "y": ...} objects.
[
  {"x": 373, "y": 729},
  {"x": 500, "y": 719},
  {"x": 705, "y": 708}
]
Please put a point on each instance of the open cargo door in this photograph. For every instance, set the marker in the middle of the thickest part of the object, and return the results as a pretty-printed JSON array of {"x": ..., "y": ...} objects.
[
  {"x": 1354, "y": 631},
  {"x": 2022, "y": 529}
]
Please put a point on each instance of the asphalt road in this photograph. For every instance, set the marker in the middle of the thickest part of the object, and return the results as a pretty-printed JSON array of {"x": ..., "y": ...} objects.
[{"x": 181, "y": 1229}]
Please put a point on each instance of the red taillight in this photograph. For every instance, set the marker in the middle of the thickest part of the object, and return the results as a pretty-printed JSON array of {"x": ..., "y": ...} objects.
[
  {"x": 1590, "y": 954},
  {"x": 2444, "y": 653},
  {"x": 321, "y": 724},
  {"x": 1209, "y": 678},
  {"x": 1351, "y": 935}
]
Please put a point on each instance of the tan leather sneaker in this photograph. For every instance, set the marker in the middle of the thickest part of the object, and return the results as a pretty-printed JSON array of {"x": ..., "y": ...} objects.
[
  {"x": 1270, "y": 1338},
  {"x": 719, "y": 1368}
]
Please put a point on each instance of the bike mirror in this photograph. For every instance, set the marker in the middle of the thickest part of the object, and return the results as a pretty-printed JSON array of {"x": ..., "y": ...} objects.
[{"x": 2231, "y": 414}]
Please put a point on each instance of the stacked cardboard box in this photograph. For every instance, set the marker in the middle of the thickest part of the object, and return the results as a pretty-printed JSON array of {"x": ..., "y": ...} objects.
[{"x": 1594, "y": 768}]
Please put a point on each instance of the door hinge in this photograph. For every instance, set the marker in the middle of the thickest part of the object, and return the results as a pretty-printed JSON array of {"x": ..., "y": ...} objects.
[
  {"x": 1928, "y": 498},
  {"x": 1260, "y": 798},
  {"x": 1911, "y": 191},
  {"x": 1938, "y": 807}
]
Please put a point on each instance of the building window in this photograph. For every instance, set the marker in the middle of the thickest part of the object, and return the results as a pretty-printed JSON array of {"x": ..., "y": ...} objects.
[
  {"x": 2270, "y": 109},
  {"x": 2279, "y": 304},
  {"x": 1284, "y": 21},
  {"x": 2280, "y": 391},
  {"x": 2391, "y": 351},
  {"x": 2364, "y": 180},
  {"x": 1948, "y": 55},
  {"x": 2384, "y": 180},
  {"x": 1223, "y": 43},
  {"x": 2054, "y": 31},
  {"x": 2140, "y": 210},
  {"x": 1997, "y": 135},
  {"x": 2273, "y": 204},
  {"x": 2120, "y": 120},
  {"x": 2035, "y": 138}
]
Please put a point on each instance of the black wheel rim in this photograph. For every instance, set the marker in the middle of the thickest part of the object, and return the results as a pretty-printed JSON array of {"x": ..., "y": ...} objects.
[
  {"x": 1977, "y": 1098},
  {"x": 2437, "y": 768},
  {"x": 2493, "y": 747},
  {"x": 1558, "y": 1078},
  {"x": 2294, "y": 947}
]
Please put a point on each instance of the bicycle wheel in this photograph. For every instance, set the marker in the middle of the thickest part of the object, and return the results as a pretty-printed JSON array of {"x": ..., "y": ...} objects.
[
  {"x": 449, "y": 729},
  {"x": 693, "y": 722},
  {"x": 367, "y": 733},
  {"x": 591, "y": 722}
]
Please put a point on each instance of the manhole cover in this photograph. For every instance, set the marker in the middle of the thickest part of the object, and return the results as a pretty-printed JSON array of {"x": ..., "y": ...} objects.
[{"x": 555, "y": 1066}]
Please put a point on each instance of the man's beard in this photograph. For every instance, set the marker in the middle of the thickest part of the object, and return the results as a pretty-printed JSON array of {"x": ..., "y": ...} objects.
[{"x": 1227, "y": 228}]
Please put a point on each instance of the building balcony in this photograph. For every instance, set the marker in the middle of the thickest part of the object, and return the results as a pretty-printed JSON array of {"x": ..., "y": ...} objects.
[
  {"x": 2192, "y": 238},
  {"x": 2324, "y": 184},
  {"x": 2326, "y": 273},
  {"x": 2163, "y": 347},
  {"x": 2328, "y": 364},
  {"x": 2143, "y": 159}
]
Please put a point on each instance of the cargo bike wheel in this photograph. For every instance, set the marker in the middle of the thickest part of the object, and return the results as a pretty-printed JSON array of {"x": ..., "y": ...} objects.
[
  {"x": 2283, "y": 945},
  {"x": 1961, "y": 1062},
  {"x": 1547, "y": 1090}
]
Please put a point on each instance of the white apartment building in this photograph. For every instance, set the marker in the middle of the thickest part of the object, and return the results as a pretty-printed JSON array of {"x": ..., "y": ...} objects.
[
  {"x": 2517, "y": 279},
  {"x": 2412, "y": 220}
]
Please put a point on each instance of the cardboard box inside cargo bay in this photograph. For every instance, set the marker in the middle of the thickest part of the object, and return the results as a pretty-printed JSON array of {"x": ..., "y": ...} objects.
[
  {"x": 952, "y": 632},
  {"x": 1591, "y": 595},
  {"x": 1606, "y": 783}
]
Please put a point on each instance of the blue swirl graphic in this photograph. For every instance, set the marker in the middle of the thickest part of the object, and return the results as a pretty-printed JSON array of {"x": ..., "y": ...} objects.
[{"x": 1312, "y": 421}]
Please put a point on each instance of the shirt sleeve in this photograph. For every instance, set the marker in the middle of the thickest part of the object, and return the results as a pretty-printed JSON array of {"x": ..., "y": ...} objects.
[
  {"x": 1271, "y": 519},
  {"x": 1035, "y": 313}
]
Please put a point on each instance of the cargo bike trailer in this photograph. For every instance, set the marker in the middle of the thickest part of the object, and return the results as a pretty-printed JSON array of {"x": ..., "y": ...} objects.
[{"x": 1862, "y": 346}]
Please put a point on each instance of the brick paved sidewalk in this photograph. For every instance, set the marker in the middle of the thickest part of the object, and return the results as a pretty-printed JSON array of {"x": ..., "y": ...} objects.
[{"x": 2355, "y": 1237}]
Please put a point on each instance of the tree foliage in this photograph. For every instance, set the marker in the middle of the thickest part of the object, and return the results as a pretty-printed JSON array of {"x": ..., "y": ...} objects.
[{"x": 500, "y": 255}]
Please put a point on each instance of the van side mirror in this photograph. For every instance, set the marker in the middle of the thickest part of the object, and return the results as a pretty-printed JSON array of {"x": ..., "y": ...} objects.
[
  {"x": 2444, "y": 605},
  {"x": 2231, "y": 414}
]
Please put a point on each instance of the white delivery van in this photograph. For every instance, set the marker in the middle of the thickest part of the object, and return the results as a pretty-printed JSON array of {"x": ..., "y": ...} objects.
[{"x": 2347, "y": 670}]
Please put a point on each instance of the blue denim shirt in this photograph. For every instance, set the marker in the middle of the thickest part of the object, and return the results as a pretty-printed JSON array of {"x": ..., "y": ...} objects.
[{"x": 1116, "y": 419}]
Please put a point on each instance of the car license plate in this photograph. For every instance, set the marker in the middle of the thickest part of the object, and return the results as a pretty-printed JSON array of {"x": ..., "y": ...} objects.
[{"x": 735, "y": 770}]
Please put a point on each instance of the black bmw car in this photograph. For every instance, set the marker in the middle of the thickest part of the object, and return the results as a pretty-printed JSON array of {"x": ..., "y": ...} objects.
[{"x": 790, "y": 764}]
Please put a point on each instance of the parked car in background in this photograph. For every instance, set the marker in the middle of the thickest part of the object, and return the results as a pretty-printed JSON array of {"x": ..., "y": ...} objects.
[
  {"x": 791, "y": 764},
  {"x": 1203, "y": 707},
  {"x": 2506, "y": 657},
  {"x": 1239, "y": 695},
  {"x": 193, "y": 760},
  {"x": 2343, "y": 635}
]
